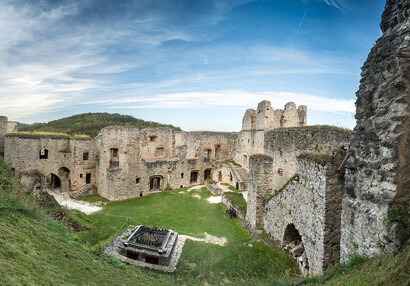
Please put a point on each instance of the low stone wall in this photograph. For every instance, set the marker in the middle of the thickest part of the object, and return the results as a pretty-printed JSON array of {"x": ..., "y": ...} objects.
[
  {"x": 228, "y": 204},
  {"x": 213, "y": 188}
]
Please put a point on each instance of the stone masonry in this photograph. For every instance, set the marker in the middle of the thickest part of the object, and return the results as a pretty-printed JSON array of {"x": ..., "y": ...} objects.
[
  {"x": 377, "y": 189},
  {"x": 260, "y": 187}
]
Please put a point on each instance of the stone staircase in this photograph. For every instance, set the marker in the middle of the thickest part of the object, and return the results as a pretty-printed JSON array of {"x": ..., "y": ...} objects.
[
  {"x": 244, "y": 175},
  {"x": 86, "y": 190},
  {"x": 241, "y": 177}
]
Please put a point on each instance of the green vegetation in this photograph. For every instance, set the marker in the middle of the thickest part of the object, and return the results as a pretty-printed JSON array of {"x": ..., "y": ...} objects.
[
  {"x": 237, "y": 199},
  {"x": 209, "y": 181},
  {"x": 317, "y": 157},
  {"x": 389, "y": 269},
  {"x": 26, "y": 134},
  {"x": 189, "y": 213},
  {"x": 232, "y": 188},
  {"x": 92, "y": 199},
  {"x": 235, "y": 164},
  {"x": 91, "y": 123},
  {"x": 35, "y": 250}
]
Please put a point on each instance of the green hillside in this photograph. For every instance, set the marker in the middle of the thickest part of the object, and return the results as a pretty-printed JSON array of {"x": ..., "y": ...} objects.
[{"x": 91, "y": 123}]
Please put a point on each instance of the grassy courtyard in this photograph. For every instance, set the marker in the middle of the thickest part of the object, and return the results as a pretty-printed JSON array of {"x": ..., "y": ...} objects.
[{"x": 240, "y": 261}]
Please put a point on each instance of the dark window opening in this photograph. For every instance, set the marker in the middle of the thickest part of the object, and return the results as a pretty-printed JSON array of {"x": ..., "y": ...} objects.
[
  {"x": 220, "y": 176},
  {"x": 154, "y": 183},
  {"x": 137, "y": 180},
  {"x": 115, "y": 160},
  {"x": 151, "y": 260},
  {"x": 181, "y": 186},
  {"x": 88, "y": 178},
  {"x": 81, "y": 175},
  {"x": 230, "y": 177},
  {"x": 237, "y": 186},
  {"x": 194, "y": 177},
  {"x": 85, "y": 156},
  {"x": 217, "y": 151},
  {"x": 43, "y": 154},
  {"x": 140, "y": 194},
  {"x": 132, "y": 255},
  {"x": 207, "y": 174},
  {"x": 207, "y": 153},
  {"x": 182, "y": 175},
  {"x": 153, "y": 138}
]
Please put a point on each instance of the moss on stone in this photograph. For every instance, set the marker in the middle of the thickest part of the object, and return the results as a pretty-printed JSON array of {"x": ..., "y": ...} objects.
[
  {"x": 317, "y": 157},
  {"x": 35, "y": 135}
]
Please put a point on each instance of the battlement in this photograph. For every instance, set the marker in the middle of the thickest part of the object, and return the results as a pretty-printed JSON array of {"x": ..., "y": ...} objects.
[{"x": 266, "y": 118}]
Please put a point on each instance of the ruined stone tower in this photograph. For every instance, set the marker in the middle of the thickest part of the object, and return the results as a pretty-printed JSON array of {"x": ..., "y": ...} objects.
[{"x": 377, "y": 188}]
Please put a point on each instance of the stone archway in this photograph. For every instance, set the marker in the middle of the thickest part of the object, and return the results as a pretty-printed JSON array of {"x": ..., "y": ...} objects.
[
  {"x": 65, "y": 181},
  {"x": 53, "y": 181},
  {"x": 292, "y": 241}
]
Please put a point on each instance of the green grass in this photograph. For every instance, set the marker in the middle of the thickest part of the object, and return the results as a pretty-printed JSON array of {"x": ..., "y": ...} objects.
[
  {"x": 92, "y": 199},
  {"x": 388, "y": 269},
  {"x": 187, "y": 214},
  {"x": 237, "y": 199},
  {"x": 232, "y": 188},
  {"x": 235, "y": 164}
]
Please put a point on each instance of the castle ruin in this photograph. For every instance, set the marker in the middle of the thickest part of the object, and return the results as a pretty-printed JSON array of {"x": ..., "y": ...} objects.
[{"x": 316, "y": 189}]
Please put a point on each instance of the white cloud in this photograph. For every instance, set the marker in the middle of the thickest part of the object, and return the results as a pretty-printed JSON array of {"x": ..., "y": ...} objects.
[{"x": 230, "y": 99}]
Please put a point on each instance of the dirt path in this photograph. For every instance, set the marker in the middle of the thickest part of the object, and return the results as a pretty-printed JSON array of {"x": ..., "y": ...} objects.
[{"x": 66, "y": 201}]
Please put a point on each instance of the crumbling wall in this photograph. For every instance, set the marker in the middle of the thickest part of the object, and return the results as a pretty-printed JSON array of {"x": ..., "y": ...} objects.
[
  {"x": 3, "y": 131},
  {"x": 157, "y": 143},
  {"x": 11, "y": 126},
  {"x": 284, "y": 145},
  {"x": 117, "y": 172},
  {"x": 255, "y": 124},
  {"x": 375, "y": 205},
  {"x": 259, "y": 188},
  {"x": 249, "y": 120},
  {"x": 311, "y": 202}
]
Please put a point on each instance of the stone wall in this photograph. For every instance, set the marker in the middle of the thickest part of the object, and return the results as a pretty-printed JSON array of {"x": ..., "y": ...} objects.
[
  {"x": 64, "y": 160},
  {"x": 311, "y": 203},
  {"x": 284, "y": 145},
  {"x": 11, "y": 126},
  {"x": 259, "y": 188},
  {"x": 377, "y": 189},
  {"x": 3, "y": 131}
]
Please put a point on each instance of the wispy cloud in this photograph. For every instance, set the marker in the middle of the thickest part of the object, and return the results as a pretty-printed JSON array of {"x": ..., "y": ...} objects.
[{"x": 228, "y": 99}]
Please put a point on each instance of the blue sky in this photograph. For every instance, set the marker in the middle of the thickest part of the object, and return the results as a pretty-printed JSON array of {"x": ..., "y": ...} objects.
[{"x": 195, "y": 64}]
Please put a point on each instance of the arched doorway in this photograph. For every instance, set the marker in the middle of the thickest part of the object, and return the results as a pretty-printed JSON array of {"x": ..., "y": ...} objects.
[
  {"x": 292, "y": 241},
  {"x": 65, "y": 182},
  {"x": 155, "y": 183},
  {"x": 53, "y": 181}
]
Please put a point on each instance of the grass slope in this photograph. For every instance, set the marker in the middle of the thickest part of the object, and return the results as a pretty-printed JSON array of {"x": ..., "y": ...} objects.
[
  {"x": 241, "y": 261},
  {"x": 91, "y": 123},
  {"x": 36, "y": 250}
]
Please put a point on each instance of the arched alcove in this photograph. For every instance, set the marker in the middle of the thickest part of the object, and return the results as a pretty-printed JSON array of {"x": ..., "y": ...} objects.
[{"x": 292, "y": 241}]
